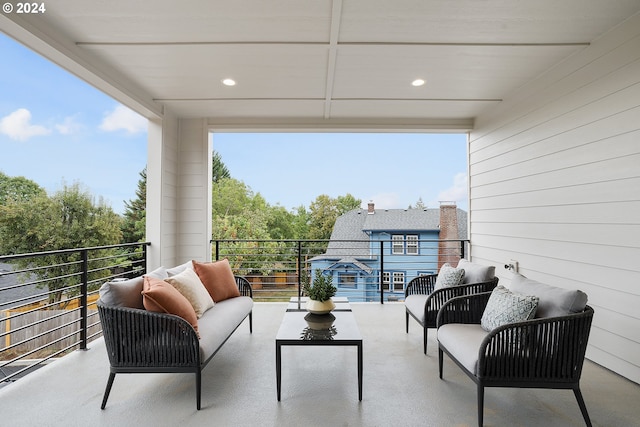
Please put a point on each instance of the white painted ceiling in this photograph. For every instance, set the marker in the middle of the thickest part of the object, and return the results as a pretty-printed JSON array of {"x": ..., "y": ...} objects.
[{"x": 320, "y": 63}]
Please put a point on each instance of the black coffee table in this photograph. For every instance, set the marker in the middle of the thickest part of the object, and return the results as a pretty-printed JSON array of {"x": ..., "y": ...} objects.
[{"x": 300, "y": 327}]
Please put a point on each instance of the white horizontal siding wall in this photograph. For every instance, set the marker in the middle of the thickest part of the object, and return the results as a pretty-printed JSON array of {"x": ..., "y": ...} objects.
[{"x": 555, "y": 184}]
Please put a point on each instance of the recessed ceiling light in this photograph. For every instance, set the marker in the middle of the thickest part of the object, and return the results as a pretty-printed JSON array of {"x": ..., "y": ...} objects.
[
  {"x": 229, "y": 82},
  {"x": 417, "y": 82}
]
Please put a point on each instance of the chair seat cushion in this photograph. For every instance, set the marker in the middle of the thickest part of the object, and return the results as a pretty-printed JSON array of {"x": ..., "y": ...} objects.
[
  {"x": 463, "y": 342},
  {"x": 415, "y": 305}
]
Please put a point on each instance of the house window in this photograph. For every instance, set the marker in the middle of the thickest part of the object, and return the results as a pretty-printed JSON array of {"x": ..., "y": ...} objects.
[
  {"x": 385, "y": 280},
  {"x": 412, "y": 244},
  {"x": 398, "y": 281},
  {"x": 347, "y": 280},
  {"x": 397, "y": 244}
]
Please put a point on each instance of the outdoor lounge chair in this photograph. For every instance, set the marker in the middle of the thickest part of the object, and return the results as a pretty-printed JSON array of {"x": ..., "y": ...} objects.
[
  {"x": 545, "y": 352},
  {"x": 422, "y": 302}
]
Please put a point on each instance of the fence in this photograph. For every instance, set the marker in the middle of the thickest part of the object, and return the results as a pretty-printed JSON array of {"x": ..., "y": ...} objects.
[{"x": 47, "y": 301}]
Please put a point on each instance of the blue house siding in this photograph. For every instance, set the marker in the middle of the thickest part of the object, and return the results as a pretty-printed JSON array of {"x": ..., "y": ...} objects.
[{"x": 406, "y": 240}]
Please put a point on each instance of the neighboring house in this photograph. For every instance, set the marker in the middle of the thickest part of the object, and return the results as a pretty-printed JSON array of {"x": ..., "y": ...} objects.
[{"x": 400, "y": 243}]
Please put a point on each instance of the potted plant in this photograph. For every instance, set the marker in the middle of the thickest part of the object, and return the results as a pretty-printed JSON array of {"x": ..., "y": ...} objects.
[{"x": 319, "y": 290}]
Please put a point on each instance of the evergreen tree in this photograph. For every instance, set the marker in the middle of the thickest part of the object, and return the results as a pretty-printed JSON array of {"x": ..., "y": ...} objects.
[
  {"x": 218, "y": 168},
  {"x": 134, "y": 223}
]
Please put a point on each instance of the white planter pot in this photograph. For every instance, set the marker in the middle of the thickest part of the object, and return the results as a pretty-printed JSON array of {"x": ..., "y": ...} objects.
[{"x": 320, "y": 307}]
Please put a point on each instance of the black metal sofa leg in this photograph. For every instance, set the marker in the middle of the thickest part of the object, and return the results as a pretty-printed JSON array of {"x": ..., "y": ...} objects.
[
  {"x": 424, "y": 337},
  {"x": 406, "y": 321},
  {"x": 480, "y": 405},
  {"x": 583, "y": 407},
  {"x": 198, "y": 389},
  {"x": 112, "y": 376}
]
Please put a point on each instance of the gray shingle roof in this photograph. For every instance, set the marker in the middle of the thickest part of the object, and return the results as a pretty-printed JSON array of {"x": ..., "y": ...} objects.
[{"x": 350, "y": 239}]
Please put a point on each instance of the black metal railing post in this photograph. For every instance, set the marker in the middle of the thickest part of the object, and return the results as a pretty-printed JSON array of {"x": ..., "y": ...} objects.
[
  {"x": 217, "y": 250},
  {"x": 84, "y": 289},
  {"x": 299, "y": 269},
  {"x": 381, "y": 278},
  {"x": 145, "y": 258}
]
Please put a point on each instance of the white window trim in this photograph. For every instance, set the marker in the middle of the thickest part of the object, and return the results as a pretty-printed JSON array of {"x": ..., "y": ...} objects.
[
  {"x": 412, "y": 244},
  {"x": 397, "y": 241}
]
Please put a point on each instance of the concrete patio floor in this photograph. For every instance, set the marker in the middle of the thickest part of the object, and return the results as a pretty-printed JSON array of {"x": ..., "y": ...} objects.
[{"x": 319, "y": 387}]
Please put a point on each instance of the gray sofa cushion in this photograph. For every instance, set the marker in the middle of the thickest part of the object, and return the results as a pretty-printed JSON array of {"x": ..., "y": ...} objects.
[
  {"x": 553, "y": 301},
  {"x": 463, "y": 342},
  {"x": 415, "y": 304},
  {"x": 216, "y": 324},
  {"x": 476, "y": 273},
  {"x": 127, "y": 292}
]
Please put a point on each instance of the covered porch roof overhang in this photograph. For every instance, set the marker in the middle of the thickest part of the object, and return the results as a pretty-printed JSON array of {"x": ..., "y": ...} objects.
[{"x": 327, "y": 65}]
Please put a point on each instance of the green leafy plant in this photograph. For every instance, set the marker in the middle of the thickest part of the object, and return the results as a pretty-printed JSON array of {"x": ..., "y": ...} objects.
[{"x": 320, "y": 289}]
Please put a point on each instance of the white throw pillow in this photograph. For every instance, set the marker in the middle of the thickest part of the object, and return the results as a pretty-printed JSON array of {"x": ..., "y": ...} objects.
[
  {"x": 506, "y": 307},
  {"x": 449, "y": 276},
  {"x": 188, "y": 284}
]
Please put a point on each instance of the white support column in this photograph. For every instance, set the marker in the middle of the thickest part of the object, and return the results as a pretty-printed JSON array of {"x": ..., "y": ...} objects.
[
  {"x": 161, "y": 191},
  {"x": 193, "y": 193}
]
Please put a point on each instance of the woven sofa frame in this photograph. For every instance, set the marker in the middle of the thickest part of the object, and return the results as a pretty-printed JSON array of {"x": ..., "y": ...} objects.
[
  {"x": 424, "y": 285},
  {"x": 539, "y": 353},
  {"x": 140, "y": 341}
]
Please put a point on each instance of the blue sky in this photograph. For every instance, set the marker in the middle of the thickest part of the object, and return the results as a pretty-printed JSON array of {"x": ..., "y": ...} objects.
[{"x": 56, "y": 129}]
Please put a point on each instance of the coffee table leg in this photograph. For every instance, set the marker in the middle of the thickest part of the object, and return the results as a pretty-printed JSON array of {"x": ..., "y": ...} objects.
[
  {"x": 278, "y": 368},
  {"x": 360, "y": 371}
]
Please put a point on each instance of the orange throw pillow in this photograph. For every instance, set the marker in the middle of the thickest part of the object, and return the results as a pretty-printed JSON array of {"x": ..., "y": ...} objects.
[
  {"x": 218, "y": 278},
  {"x": 160, "y": 297}
]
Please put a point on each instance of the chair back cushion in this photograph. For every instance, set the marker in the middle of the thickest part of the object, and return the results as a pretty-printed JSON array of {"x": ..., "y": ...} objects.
[
  {"x": 552, "y": 301},
  {"x": 476, "y": 273}
]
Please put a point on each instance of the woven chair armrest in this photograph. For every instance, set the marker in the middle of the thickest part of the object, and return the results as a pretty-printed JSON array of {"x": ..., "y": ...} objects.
[
  {"x": 463, "y": 309},
  {"x": 140, "y": 338},
  {"x": 544, "y": 349},
  {"x": 440, "y": 296},
  {"x": 244, "y": 286},
  {"x": 422, "y": 285}
]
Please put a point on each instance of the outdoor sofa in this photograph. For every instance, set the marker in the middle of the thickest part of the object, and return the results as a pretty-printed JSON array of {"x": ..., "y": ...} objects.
[{"x": 172, "y": 320}]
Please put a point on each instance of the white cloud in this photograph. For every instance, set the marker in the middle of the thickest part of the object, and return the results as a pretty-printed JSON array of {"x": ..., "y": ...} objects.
[
  {"x": 457, "y": 192},
  {"x": 122, "y": 118},
  {"x": 69, "y": 126},
  {"x": 17, "y": 125}
]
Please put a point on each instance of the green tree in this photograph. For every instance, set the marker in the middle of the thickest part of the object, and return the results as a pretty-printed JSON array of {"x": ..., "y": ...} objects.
[
  {"x": 69, "y": 219},
  {"x": 218, "y": 168},
  {"x": 18, "y": 188},
  {"x": 324, "y": 211},
  {"x": 134, "y": 218}
]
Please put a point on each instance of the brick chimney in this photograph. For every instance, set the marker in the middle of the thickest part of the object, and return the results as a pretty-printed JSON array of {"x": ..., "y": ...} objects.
[
  {"x": 371, "y": 209},
  {"x": 448, "y": 251}
]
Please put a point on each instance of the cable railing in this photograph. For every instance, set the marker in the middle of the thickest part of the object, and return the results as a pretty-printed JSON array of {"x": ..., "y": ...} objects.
[
  {"x": 362, "y": 270},
  {"x": 48, "y": 301}
]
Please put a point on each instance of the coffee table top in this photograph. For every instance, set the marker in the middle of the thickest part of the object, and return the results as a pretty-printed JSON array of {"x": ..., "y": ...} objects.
[{"x": 300, "y": 327}]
